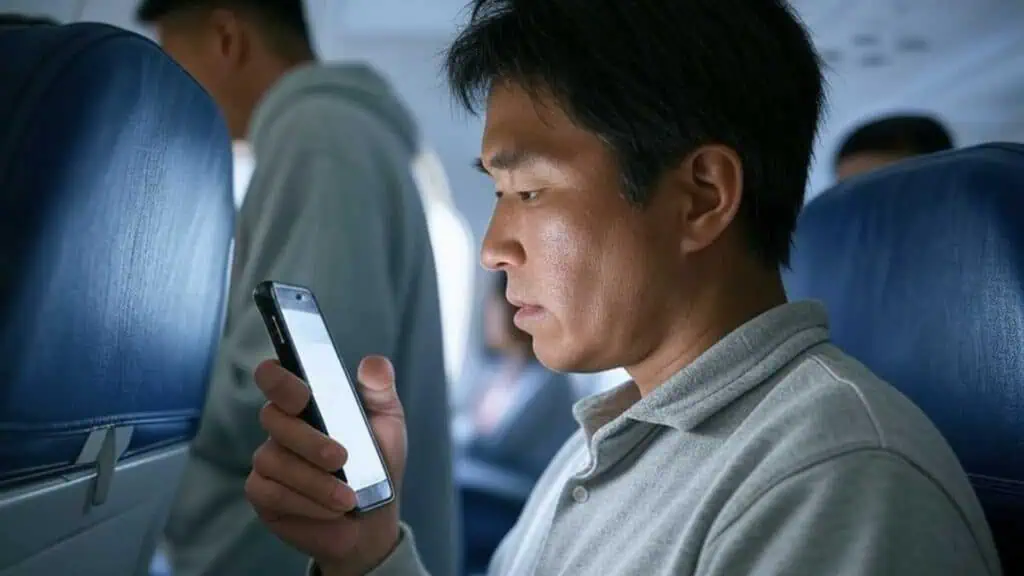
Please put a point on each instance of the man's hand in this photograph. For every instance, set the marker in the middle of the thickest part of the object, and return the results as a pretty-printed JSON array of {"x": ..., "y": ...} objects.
[{"x": 292, "y": 484}]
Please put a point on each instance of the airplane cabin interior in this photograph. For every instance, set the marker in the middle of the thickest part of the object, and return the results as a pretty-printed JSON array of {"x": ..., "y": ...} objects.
[{"x": 120, "y": 185}]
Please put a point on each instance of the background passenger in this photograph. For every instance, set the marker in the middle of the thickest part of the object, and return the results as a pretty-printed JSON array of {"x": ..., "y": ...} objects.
[
  {"x": 517, "y": 413},
  {"x": 513, "y": 419},
  {"x": 888, "y": 140}
]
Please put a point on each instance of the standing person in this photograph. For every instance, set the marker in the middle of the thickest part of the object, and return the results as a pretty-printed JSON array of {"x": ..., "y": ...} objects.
[
  {"x": 650, "y": 160},
  {"x": 331, "y": 205}
]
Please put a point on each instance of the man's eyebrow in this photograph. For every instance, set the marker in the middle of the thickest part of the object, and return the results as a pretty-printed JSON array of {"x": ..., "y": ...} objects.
[{"x": 505, "y": 160}]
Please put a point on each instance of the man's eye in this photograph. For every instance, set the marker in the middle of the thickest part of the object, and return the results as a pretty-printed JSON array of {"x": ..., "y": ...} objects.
[{"x": 526, "y": 196}]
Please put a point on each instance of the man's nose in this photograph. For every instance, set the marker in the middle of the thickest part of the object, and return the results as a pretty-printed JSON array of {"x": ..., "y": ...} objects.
[{"x": 501, "y": 249}]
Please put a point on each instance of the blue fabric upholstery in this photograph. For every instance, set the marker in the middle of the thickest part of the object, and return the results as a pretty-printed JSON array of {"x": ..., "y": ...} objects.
[
  {"x": 921, "y": 267},
  {"x": 116, "y": 219}
]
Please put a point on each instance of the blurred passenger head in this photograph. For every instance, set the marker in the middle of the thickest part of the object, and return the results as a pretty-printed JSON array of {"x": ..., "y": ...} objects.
[
  {"x": 649, "y": 158},
  {"x": 237, "y": 49},
  {"x": 883, "y": 142},
  {"x": 12, "y": 19},
  {"x": 501, "y": 336}
]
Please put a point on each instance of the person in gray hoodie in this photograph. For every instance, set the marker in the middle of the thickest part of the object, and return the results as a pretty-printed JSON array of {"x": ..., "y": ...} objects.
[{"x": 332, "y": 205}]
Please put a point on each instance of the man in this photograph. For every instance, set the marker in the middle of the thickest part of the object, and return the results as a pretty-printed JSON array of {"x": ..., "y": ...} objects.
[
  {"x": 888, "y": 140},
  {"x": 650, "y": 160},
  {"x": 331, "y": 205}
]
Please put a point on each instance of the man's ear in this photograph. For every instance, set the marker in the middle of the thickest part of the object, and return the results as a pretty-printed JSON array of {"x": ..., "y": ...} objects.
[
  {"x": 232, "y": 35},
  {"x": 710, "y": 183}
]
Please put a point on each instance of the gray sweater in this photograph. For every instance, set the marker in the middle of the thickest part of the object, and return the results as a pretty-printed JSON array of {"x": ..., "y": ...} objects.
[
  {"x": 773, "y": 454},
  {"x": 331, "y": 205}
]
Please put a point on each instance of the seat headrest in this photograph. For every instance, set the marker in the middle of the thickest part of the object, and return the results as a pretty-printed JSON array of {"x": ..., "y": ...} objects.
[
  {"x": 921, "y": 267},
  {"x": 116, "y": 221}
]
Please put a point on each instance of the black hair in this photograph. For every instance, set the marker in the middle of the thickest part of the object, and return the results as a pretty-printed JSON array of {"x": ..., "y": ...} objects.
[
  {"x": 913, "y": 135},
  {"x": 284, "y": 19},
  {"x": 657, "y": 79},
  {"x": 10, "y": 19}
]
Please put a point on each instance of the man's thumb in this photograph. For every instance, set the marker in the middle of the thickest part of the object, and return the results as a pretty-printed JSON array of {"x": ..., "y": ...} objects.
[{"x": 376, "y": 374}]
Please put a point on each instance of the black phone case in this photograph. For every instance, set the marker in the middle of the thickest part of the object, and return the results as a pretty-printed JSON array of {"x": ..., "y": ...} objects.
[
  {"x": 266, "y": 303},
  {"x": 285, "y": 350}
]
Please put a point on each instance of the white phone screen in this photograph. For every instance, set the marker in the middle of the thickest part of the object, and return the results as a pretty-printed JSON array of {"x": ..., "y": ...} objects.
[{"x": 335, "y": 397}]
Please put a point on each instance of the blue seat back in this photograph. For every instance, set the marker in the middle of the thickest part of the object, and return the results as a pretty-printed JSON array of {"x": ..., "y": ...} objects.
[
  {"x": 921, "y": 267},
  {"x": 116, "y": 222}
]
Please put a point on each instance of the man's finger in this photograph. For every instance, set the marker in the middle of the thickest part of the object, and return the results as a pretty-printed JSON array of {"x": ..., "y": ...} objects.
[
  {"x": 274, "y": 499},
  {"x": 377, "y": 387},
  {"x": 273, "y": 462},
  {"x": 299, "y": 437},
  {"x": 282, "y": 387},
  {"x": 376, "y": 373}
]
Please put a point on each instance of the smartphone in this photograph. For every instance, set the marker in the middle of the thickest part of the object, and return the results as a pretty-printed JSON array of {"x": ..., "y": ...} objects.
[{"x": 305, "y": 347}]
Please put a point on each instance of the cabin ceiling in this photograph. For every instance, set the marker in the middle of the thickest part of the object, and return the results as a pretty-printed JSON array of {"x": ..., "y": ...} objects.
[{"x": 963, "y": 60}]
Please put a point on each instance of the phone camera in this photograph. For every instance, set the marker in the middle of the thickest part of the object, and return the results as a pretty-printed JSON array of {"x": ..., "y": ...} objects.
[{"x": 298, "y": 296}]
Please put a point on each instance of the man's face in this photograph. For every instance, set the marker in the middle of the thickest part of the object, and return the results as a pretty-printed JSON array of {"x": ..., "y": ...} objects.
[
  {"x": 200, "y": 49},
  {"x": 588, "y": 270},
  {"x": 864, "y": 162}
]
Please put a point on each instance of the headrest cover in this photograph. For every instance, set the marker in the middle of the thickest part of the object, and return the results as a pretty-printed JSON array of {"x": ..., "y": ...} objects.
[
  {"x": 921, "y": 267},
  {"x": 115, "y": 225}
]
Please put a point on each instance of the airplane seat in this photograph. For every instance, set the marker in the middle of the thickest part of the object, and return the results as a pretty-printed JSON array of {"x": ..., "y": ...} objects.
[
  {"x": 116, "y": 223},
  {"x": 921, "y": 267}
]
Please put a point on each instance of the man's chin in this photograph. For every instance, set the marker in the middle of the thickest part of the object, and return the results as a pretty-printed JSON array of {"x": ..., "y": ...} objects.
[
  {"x": 553, "y": 356},
  {"x": 560, "y": 357}
]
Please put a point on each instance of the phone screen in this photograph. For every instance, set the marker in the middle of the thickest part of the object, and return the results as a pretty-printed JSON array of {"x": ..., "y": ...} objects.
[{"x": 335, "y": 397}]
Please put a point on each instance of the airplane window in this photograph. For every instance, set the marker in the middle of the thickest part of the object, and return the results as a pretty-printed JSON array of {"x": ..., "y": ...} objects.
[
  {"x": 244, "y": 165},
  {"x": 452, "y": 241}
]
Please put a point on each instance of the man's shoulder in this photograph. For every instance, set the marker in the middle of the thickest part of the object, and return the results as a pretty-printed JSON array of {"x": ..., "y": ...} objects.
[
  {"x": 330, "y": 122},
  {"x": 827, "y": 404},
  {"x": 827, "y": 420},
  {"x": 835, "y": 390},
  {"x": 827, "y": 408},
  {"x": 352, "y": 149}
]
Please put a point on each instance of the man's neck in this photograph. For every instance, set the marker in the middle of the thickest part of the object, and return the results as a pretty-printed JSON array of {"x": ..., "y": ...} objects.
[
  {"x": 270, "y": 73},
  {"x": 717, "y": 311}
]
